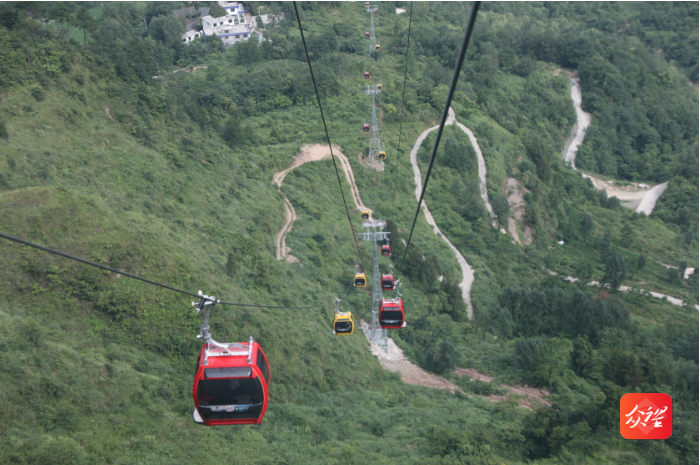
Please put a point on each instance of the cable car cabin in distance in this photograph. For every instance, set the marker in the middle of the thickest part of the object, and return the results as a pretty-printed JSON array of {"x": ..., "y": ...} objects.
[
  {"x": 378, "y": 48},
  {"x": 364, "y": 214},
  {"x": 231, "y": 384},
  {"x": 343, "y": 324},
  {"x": 366, "y": 35},
  {"x": 388, "y": 282},
  {"x": 392, "y": 314},
  {"x": 365, "y": 127},
  {"x": 386, "y": 250},
  {"x": 380, "y": 87},
  {"x": 381, "y": 155},
  {"x": 360, "y": 280},
  {"x": 366, "y": 75}
]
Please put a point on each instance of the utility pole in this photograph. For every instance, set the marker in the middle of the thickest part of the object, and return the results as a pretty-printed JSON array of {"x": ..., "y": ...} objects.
[{"x": 375, "y": 333}]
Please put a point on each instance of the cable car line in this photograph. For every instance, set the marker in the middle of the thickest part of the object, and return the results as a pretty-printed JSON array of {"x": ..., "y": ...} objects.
[
  {"x": 443, "y": 119},
  {"x": 403, "y": 96},
  {"x": 129, "y": 275},
  {"x": 323, "y": 119}
]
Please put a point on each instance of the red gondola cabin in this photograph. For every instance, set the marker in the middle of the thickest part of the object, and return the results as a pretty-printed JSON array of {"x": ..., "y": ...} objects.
[
  {"x": 386, "y": 250},
  {"x": 365, "y": 127},
  {"x": 366, "y": 35},
  {"x": 392, "y": 314},
  {"x": 231, "y": 384},
  {"x": 388, "y": 282},
  {"x": 366, "y": 75}
]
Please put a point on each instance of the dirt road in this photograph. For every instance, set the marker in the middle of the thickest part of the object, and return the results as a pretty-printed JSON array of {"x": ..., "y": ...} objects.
[
  {"x": 641, "y": 200},
  {"x": 467, "y": 271},
  {"x": 394, "y": 360},
  {"x": 313, "y": 152},
  {"x": 280, "y": 240}
]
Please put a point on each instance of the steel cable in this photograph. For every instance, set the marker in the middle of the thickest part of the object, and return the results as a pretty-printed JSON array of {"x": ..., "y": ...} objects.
[
  {"x": 443, "y": 119},
  {"x": 330, "y": 146},
  {"x": 129, "y": 275}
]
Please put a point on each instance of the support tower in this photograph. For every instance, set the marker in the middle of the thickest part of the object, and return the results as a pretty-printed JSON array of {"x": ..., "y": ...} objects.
[
  {"x": 375, "y": 333},
  {"x": 372, "y": 9},
  {"x": 375, "y": 145}
]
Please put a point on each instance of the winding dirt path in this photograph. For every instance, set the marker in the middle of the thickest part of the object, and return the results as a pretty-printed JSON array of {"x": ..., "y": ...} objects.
[
  {"x": 290, "y": 216},
  {"x": 467, "y": 270},
  {"x": 641, "y": 200},
  {"x": 312, "y": 152},
  {"x": 674, "y": 300},
  {"x": 482, "y": 169}
]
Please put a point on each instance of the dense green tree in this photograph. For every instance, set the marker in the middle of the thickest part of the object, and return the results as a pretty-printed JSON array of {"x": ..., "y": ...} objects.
[
  {"x": 155, "y": 9},
  {"x": 168, "y": 30},
  {"x": 62, "y": 17},
  {"x": 501, "y": 208},
  {"x": 582, "y": 353},
  {"x": 641, "y": 261},
  {"x": 586, "y": 272},
  {"x": 85, "y": 21},
  {"x": 586, "y": 225},
  {"x": 615, "y": 271},
  {"x": 628, "y": 235}
]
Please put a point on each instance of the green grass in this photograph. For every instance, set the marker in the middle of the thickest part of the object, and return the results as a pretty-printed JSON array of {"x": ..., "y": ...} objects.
[{"x": 96, "y": 368}]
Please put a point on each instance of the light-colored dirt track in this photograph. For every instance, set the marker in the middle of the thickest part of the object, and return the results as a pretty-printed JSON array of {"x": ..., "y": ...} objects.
[
  {"x": 394, "y": 360},
  {"x": 467, "y": 271},
  {"x": 641, "y": 200},
  {"x": 313, "y": 152},
  {"x": 280, "y": 240},
  {"x": 527, "y": 393}
]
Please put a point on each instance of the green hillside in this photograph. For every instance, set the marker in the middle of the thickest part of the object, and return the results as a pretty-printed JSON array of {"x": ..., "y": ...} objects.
[{"x": 170, "y": 178}]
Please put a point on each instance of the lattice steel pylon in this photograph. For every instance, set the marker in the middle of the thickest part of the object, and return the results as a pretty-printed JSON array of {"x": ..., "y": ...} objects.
[
  {"x": 372, "y": 9},
  {"x": 375, "y": 333},
  {"x": 375, "y": 145}
]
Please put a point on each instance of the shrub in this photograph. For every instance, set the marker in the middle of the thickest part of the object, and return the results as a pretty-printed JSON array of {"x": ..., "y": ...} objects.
[{"x": 38, "y": 93}]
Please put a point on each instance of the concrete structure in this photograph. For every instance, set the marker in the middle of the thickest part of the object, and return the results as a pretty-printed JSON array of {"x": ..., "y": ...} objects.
[
  {"x": 231, "y": 29},
  {"x": 235, "y": 27},
  {"x": 189, "y": 36},
  {"x": 232, "y": 8}
]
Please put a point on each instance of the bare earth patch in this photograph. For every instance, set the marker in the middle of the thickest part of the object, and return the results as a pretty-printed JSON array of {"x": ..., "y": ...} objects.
[
  {"x": 374, "y": 164},
  {"x": 516, "y": 200},
  {"x": 395, "y": 360},
  {"x": 531, "y": 396}
]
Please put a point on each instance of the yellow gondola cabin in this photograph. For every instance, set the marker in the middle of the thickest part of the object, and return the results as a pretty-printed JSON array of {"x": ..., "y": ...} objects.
[{"x": 343, "y": 324}]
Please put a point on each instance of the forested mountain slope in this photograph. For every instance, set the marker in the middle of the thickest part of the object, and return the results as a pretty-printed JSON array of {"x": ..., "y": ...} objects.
[{"x": 170, "y": 178}]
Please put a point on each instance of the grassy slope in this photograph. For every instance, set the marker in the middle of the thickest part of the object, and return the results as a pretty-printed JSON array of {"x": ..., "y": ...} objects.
[
  {"x": 83, "y": 185},
  {"x": 94, "y": 191}
]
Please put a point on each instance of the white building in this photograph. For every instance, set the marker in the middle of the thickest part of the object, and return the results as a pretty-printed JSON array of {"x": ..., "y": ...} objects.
[
  {"x": 233, "y": 8},
  {"x": 189, "y": 36},
  {"x": 231, "y": 29}
]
